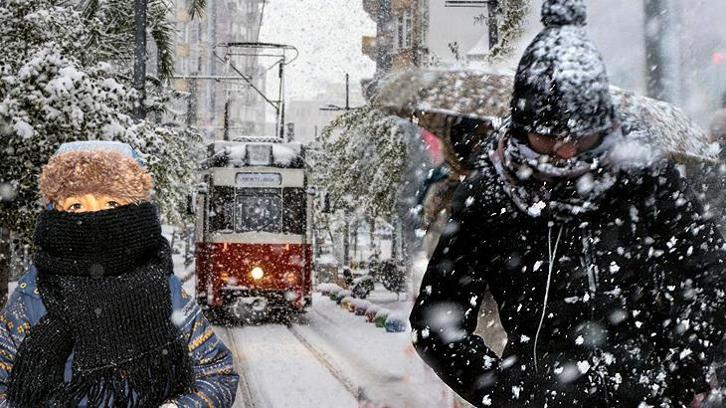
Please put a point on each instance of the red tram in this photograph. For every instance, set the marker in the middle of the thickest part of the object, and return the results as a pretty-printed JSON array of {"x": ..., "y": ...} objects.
[{"x": 253, "y": 252}]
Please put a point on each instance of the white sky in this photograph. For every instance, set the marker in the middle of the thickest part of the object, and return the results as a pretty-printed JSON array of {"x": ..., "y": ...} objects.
[{"x": 328, "y": 35}]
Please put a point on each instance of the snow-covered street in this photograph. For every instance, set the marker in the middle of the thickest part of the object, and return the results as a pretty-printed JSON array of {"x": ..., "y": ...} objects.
[
  {"x": 290, "y": 374},
  {"x": 330, "y": 358}
]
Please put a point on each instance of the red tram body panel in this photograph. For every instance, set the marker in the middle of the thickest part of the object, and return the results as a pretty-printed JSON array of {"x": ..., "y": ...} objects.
[{"x": 225, "y": 269}]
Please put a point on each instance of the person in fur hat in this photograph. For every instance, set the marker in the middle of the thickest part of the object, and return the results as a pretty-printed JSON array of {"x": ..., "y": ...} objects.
[
  {"x": 100, "y": 320},
  {"x": 608, "y": 277}
]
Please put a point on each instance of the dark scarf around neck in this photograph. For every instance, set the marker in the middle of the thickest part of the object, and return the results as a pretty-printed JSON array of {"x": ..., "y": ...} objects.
[
  {"x": 103, "y": 277},
  {"x": 562, "y": 192}
]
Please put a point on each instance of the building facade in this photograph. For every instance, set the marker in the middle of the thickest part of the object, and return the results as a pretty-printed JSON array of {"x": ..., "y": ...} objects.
[
  {"x": 400, "y": 40},
  {"x": 216, "y": 98}
]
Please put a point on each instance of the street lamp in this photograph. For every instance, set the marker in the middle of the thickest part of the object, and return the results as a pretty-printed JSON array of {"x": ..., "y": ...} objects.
[{"x": 140, "y": 23}]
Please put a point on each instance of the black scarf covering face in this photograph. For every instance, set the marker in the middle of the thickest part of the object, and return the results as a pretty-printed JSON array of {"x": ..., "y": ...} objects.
[{"x": 103, "y": 277}]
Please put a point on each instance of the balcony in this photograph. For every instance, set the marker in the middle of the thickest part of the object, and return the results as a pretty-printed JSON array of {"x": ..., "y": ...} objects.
[
  {"x": 403, "y": 60},
  {"x": 370, "y": 46},
  {"x": 400, "y": 5},
  {"x": 182, "y": 51},
  {"x": 182, "y": 15}
]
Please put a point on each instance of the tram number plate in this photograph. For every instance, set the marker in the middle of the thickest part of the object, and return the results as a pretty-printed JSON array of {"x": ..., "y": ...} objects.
[{"x": 268, "y": 179}]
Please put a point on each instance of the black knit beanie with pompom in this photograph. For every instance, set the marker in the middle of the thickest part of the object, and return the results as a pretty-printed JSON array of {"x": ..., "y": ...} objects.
[{"x": 561, "y": 88}]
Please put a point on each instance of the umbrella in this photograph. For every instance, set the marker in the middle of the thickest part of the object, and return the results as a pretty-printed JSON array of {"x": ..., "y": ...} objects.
[{"x": 439, "y": 99}]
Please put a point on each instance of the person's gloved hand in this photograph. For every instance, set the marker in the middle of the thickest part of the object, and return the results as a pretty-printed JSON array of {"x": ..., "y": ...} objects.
[{"x": 169, "y": 405}]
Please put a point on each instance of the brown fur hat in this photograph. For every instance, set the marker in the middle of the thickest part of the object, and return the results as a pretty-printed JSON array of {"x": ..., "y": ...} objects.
[{"x": 107, "y": 172}]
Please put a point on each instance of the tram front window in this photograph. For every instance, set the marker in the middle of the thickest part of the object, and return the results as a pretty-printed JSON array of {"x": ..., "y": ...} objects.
[
  {"x": 258, "y": 212},
  {"x": 221, "y": 209}
]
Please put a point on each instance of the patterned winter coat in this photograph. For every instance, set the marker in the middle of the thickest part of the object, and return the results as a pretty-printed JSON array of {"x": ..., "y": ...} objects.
[
  {"x": 216, "y": 379},
  {"x": 621, "y": 306}
]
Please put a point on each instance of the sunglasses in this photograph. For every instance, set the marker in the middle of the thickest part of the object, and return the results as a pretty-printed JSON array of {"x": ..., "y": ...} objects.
[{"x": 562, "y": 148}]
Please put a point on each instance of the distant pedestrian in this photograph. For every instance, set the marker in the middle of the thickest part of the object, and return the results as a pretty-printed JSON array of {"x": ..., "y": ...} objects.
[{"x": 718, "y": 124}]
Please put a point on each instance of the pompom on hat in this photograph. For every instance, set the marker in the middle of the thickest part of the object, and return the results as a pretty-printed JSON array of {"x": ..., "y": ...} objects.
[
  {"x": 95, "y": 167},
  {"x": 561, "y": 88},
  {"x": 564, "y": 12}
]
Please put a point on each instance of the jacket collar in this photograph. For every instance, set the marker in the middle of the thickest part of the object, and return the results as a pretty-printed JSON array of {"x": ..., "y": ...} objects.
[{"x": 27, "y": 283}]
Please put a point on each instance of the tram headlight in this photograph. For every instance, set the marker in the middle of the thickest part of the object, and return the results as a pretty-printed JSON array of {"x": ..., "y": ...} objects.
[{"x": 257, "y": 273}]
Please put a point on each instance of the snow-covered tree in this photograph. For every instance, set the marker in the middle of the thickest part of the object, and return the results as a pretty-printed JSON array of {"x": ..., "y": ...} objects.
[
  {"x": 364, "y": 154},
  {"x": 360, "y": 166},
  {"x": 171, "y": 155},
  {"x": 513, "y": 14},
  {"x": 28, "y": 26},
  {"x": 55, "y": 88},
  {"x": 116, "y": 41}
]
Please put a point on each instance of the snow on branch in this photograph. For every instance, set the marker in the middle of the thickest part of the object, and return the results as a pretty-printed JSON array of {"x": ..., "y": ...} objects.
[
  {"x": 513, "y": 14},
  {"x": 52, "y": 99},
  {"x": 364, "y": 152}
]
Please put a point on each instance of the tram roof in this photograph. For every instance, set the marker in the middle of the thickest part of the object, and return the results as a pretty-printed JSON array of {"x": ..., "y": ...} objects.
[{"x": 224, "y": 153}]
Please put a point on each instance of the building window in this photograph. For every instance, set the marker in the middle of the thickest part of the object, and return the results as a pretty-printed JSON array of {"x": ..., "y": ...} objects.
[
  {"x": 404, "y": 30},
  {"x": 409, "y": 29},
  {"x": 400, "y": 32}
]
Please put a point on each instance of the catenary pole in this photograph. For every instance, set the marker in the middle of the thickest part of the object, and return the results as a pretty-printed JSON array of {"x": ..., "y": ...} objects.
[
  {"x": 140, "y": 16},
  {"x": 662, "y": 59}
]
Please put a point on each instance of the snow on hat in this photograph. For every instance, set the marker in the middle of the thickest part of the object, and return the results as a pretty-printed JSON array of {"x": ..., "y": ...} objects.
[
  {"x": 561, "y": 87},
  {"x": 95, "y": 167},
  {"x": 95, "y": 145}
]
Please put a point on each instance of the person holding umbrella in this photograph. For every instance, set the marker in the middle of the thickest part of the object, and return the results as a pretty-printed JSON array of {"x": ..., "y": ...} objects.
[{"x": 609, "y": 280}]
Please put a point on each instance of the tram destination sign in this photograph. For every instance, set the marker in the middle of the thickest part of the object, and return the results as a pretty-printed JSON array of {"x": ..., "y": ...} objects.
[{"x": 259, "y": 179}]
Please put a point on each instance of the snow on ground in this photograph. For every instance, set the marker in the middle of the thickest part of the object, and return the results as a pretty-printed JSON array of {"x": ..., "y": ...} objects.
[
  {"x": 392, "y": 301},
  {"x": 330, "y": 358},
  {"x": 384, "y": 365},
  {"x": 280, "y": 371}
]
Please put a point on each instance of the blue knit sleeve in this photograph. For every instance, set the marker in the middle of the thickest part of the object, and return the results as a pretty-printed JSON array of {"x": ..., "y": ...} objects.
[
  {"x": 216, "y": 378},
  {"x": 14, "y": 325}
]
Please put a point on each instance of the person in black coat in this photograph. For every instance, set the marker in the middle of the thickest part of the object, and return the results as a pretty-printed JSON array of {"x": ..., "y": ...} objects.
[{"x": 608, "y": 279}]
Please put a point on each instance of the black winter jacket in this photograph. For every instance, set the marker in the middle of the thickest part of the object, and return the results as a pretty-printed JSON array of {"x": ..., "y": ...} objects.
[{"x": 630, "y": 297}]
